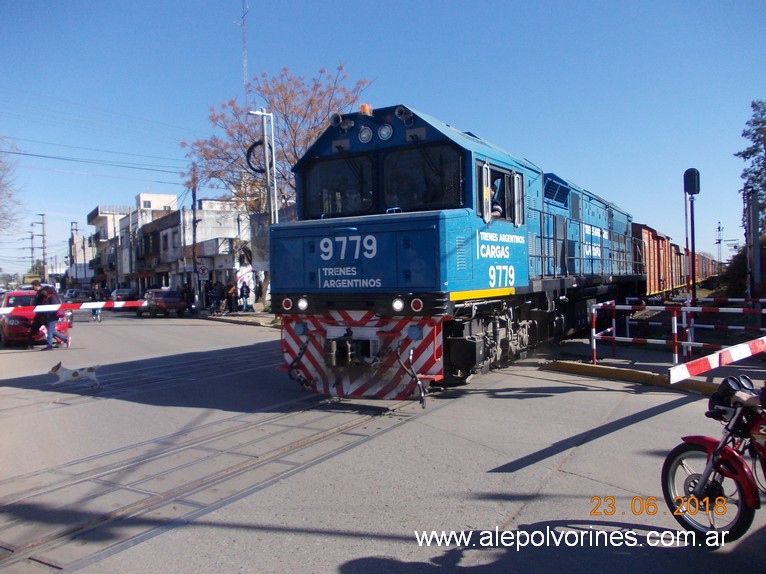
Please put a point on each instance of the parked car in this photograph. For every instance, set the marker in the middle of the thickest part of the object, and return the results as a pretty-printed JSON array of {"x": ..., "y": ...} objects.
[
  {"x": 77, "y": 295},
  {"x": 162, "y": 301},
  {"x": 15, "y": 328},
  {"x": 123, "y": 295}
]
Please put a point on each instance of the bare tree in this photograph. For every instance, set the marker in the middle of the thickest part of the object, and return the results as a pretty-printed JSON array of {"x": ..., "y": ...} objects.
[
  {"x": 8, "y": 212},
  {"x": 301, "y": 110}
]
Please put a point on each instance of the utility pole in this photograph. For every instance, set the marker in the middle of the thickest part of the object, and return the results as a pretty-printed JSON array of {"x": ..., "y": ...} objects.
[
  {"x": 755, "y": 241},
  {"x": 31, "y": 247},
  {"x": 45, "y": 250},
  {"x": 74, "y": 233},
  {"x": 45, "y": 255},
  {"x": 199, "y": 294}
]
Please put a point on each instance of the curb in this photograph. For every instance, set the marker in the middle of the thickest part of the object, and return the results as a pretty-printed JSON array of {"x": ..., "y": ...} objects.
[
  {"x": 242, "y": 321},
  {"x": 630, "y": 375}
]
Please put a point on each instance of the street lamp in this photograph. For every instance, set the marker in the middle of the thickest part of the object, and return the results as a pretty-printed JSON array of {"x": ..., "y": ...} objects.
[{"x": 268, "y": 141}]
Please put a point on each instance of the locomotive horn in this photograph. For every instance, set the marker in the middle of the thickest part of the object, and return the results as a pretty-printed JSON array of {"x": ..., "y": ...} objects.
[
  {"x": 336, "y": 119},
  {"x": 403, "y": 114}
]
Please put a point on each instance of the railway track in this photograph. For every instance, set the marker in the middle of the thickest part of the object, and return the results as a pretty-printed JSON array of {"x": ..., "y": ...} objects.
[{"x": 68, "y": 516}]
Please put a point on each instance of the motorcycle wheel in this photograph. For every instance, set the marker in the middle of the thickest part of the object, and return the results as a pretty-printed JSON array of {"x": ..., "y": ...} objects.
[{"x": 721, "y": 508}]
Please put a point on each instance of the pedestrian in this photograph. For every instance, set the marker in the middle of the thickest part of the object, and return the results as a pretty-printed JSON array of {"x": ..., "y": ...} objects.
[
  {"x": 96, "y": 295},
  {"x": 46, "y": 296},
  {"x": 219, "y": 296},
  {"x": 244, "y": 294},
  {"x": 187, "y": 294},
  {"x": 231, "y": 296},
  {"x": 257, "y": 278}
]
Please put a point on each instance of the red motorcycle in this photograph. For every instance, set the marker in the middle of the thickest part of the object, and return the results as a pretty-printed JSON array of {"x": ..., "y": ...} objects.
[{"x": 707, "y": 483}]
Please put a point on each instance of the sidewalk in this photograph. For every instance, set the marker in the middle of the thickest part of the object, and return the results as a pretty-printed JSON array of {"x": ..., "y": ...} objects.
[
  {"x": 255, "y": 318},
  {"x": 644, "y": 365}
]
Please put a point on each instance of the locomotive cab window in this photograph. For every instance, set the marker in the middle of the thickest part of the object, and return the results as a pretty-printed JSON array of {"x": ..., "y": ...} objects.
[
  {"x": 339, "y": 187},
  {"x": 500, "y": 194},
  {"x": 423, "y": 177}
]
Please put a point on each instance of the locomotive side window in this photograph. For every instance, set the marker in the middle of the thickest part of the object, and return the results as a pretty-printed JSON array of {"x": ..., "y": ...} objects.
[
  {"x": 424, "y": 177},
  {"x": 339, "y": 187},
  {"x": 500, "y": 194}
]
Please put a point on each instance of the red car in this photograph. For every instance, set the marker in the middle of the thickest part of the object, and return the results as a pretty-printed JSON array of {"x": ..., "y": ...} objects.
[
  {"x": 162, "y": 301},
  {"x": 14, "y": 328}
]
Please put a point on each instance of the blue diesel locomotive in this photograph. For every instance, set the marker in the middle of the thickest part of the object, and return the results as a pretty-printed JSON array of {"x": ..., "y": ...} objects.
[{"x": 423, "y": 255}]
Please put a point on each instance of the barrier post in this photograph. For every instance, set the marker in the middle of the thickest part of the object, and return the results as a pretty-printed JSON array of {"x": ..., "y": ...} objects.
[
  {"x": 593, "y": 333},
  {"x": 674, "y": 335}
]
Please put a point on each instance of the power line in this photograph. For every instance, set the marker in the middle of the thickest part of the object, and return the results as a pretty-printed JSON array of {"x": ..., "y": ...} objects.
[
  {"x": 124, "y": 165},
  {"x": 98, "y": 150}
]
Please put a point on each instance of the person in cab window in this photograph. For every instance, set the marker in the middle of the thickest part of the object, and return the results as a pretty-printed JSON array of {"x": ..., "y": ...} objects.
[{"x": 498, "y": 197}]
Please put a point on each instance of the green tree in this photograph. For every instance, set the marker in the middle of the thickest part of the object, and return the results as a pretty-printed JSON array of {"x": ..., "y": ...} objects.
[
  {"x": 301, "y": 110},
  {"x": 754, "y": 174}
]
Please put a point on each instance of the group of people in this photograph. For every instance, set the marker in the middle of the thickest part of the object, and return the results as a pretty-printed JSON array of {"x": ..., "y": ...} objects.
[
  {"x": 47, "y": 296},
  {"x": 227, "y": 298}
]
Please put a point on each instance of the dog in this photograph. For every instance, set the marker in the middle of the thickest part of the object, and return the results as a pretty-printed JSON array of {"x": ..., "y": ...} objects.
[{"x": 65, "y": 375}]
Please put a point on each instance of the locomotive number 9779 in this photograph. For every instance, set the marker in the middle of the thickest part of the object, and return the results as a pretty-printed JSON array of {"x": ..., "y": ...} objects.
[
  {"x": 501, "y": 276},
  {"x": 348, "y": 247}
]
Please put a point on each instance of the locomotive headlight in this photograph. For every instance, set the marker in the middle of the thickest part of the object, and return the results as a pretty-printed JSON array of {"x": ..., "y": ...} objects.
[
  {"x": 303, "y": 304},
  {"x": 385, "y": 132},
  {"x": 397, "y": 305},
  {"x": 365, "y": 135}
]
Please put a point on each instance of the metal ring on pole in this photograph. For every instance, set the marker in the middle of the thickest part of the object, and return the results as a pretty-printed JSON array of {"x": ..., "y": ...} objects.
[{"x": 251, "y": 151}]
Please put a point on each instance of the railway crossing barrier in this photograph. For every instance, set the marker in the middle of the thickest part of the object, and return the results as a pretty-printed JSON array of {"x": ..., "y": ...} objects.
[
  {"x": 73, "y": 307},
  {"x": 722, "y": 356}
]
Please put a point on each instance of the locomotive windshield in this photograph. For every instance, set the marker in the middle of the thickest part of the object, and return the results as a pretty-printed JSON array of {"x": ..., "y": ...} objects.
[
  {"x": 411, "y": 179},
  {"x": 422, "y": 178},
  {"x": 339, "y": 187}
]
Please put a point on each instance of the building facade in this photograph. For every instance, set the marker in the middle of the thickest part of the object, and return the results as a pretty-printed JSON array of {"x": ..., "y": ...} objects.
[{"x": 156, "y": 245}]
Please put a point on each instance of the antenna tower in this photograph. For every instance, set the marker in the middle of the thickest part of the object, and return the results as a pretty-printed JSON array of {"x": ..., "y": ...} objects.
[{"x": 243, "y": 25}]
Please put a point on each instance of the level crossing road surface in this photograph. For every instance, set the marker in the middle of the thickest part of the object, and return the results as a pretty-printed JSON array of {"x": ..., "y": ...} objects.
[{"x": 198, "y": 455}]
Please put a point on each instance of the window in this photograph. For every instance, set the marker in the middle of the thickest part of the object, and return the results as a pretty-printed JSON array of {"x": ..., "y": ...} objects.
[
  {"x": 175, "y": 239},
  {"x": 421, "y": 177},
  {"x": 147, "y": 204},
  {"x": 424, "y": 177},
  {"x": 500, "y": 194},
  {"x": 339, "y": 187},
  {"x": 165, "y": 242}
]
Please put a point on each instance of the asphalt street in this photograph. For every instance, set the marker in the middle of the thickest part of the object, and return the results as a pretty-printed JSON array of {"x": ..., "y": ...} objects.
[{"x": 521, "y": 452}]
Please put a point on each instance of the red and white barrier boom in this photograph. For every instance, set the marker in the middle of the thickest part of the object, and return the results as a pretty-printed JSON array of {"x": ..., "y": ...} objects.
[
  {"x": 73, "y": 307},
  {"x": 717, "y": 359}
]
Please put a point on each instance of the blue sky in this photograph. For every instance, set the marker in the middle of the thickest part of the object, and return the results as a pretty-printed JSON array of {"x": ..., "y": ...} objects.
[{"x": 618, "y": 97}]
